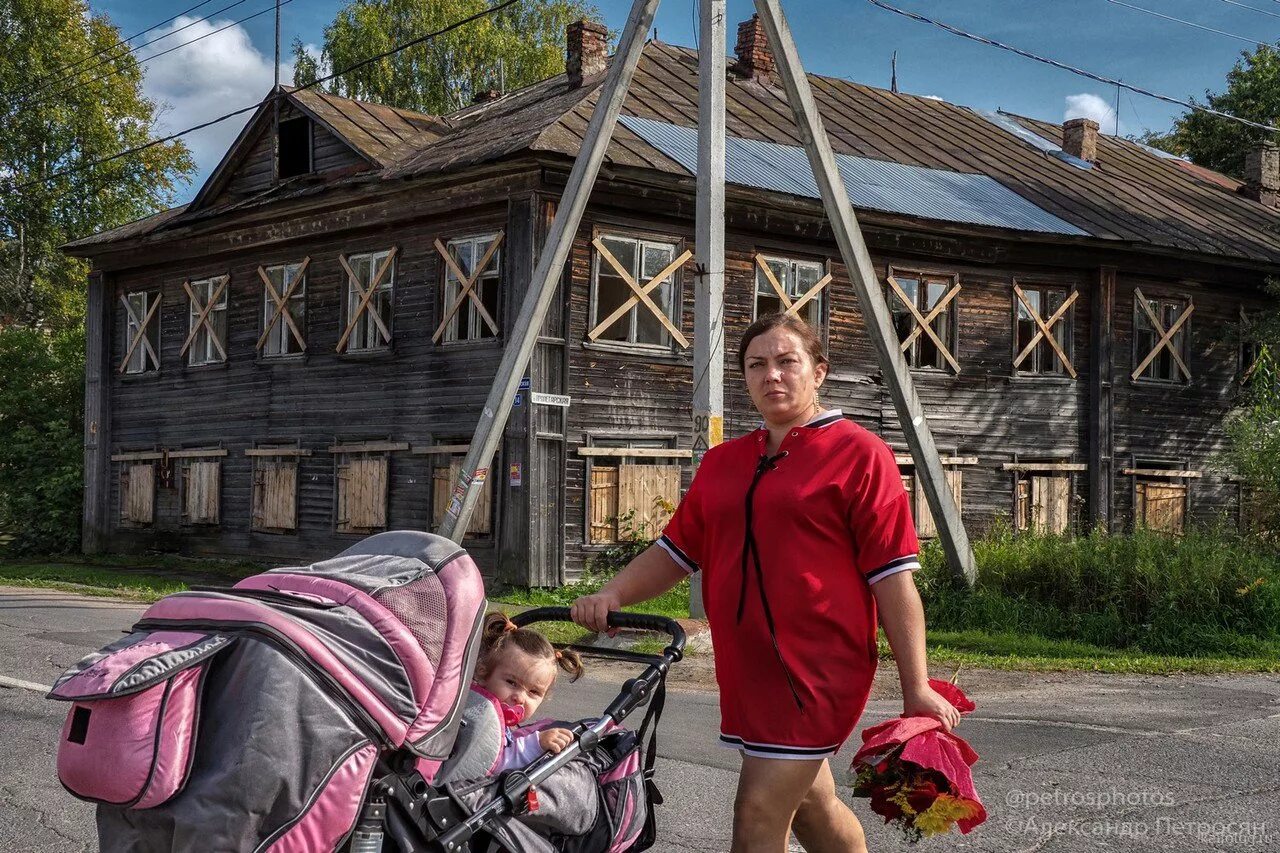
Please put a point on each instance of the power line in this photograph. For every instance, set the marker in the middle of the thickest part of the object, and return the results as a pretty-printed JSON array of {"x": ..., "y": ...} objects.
[
  {"x": 40, "y": 91},
  {"x": 1062, "y": 65},
  {"x": 1252, "y": 8},
  {"x": 124, "y": 41},
  {"x": 1245, "y": 39},
  {"x": 78, "y": 167}
]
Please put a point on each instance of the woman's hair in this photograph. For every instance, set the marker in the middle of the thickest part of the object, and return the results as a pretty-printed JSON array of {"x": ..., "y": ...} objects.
[
  {"x": 809, "y": 340},
  {"x": 500, "y": 633}
]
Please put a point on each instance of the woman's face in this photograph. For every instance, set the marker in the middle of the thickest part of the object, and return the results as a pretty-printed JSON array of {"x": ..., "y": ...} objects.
[{"x": 782, "y": 379}]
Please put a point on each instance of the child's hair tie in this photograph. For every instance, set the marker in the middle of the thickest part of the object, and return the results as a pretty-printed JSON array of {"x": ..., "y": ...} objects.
[
  {"x": 559, "y": 655},
  {"x": 510, "y": 626}
]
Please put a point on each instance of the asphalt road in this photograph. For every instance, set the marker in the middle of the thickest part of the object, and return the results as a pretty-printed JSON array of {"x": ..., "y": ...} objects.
[{"x": 1070, "y": 762}]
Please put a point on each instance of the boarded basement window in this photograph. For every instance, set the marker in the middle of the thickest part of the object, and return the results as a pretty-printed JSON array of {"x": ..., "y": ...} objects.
[
  {"x": 362, "y": 492},
  {"x": 137, "y": 493},
  {"x": 293, "y": 148},
  {"x": 925, "y": 526},
  {"x": 444, "y": 478},
  {"x": 201, "y": 491},
  {"x": 1044, "y": 503},
  {"x": 275, "y": 494},
  {"x": 630, "y": 498},
  {"x": 1160, "y": 505}
]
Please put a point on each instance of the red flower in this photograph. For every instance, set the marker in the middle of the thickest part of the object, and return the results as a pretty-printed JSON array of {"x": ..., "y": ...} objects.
[
  {"x": 882, "y": 805},
  {"x": 921, "y": 796}
]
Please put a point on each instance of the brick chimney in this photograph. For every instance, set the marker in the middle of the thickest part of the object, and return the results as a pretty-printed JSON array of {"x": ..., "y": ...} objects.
[
  {"x": 755, "y": 60},
  {"x": 586, "y": 50},
  {"x": 1080, "y": 138},
  {"x": 1262, "y": 174}
]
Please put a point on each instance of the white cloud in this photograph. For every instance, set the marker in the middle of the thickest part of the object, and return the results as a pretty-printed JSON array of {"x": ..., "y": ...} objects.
[
  {"x": 203, "y": 80},
  {"x": 1087, "y": 105}
]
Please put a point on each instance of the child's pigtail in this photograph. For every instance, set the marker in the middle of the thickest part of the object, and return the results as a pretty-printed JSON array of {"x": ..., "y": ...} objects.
[
  {"x": 496, "y": 629},
  {"x": 571, "y": 662}
]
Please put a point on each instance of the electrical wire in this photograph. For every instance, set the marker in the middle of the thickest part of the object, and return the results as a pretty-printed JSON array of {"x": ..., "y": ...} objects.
[
  {"x": 124, "y": 41},
  {"x": 1062, "y": 65},
  {"x": 1252, "y": 8},
  {"x": 38, "y": 94},
  {"x": 1245, "y": 39},
  {"x": 79, "y": 167}
]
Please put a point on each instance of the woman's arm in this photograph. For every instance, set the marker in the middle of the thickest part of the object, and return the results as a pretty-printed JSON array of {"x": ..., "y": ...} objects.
[
  {"x": 649, "y": 575},
  {"x": 902, "y": 617}
]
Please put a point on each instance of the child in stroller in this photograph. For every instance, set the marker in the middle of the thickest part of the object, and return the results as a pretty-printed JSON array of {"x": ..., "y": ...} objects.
[{"x": 326, "y": 707}]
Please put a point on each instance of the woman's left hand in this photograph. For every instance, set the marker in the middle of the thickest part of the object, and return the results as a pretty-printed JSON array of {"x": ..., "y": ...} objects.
[{"x": 927, "y": 702}]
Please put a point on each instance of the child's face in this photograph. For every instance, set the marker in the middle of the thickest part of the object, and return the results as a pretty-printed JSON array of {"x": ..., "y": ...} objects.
[{"x": 520, "y": 680}]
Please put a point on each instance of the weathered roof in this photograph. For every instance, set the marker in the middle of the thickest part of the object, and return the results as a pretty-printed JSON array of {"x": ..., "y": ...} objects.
[{"x": 1131, "y": 195}]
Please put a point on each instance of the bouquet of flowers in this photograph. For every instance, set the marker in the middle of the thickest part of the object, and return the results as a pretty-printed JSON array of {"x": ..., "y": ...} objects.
[{"x": 917, "y": 774}]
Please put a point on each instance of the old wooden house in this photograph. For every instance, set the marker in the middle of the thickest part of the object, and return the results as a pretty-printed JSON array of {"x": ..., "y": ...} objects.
[{"x": 298, "y": 356}]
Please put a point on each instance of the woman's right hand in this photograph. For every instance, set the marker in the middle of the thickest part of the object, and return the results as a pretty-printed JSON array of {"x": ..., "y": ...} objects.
[{"x": 592, "y": 611}]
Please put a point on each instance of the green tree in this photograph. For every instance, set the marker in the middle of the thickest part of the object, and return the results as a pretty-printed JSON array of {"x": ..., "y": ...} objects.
[
  {"x": 520, "y": 45},
  {"x": 51, "y": 118},
  {"x": 1253, "y": 92},
  {"x": 41, "y": 429}
]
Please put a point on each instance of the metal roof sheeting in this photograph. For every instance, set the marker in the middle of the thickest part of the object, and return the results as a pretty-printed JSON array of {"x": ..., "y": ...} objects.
[
  {"x": 872, "y": 184},
  {"x": 1005, "y": 122}
]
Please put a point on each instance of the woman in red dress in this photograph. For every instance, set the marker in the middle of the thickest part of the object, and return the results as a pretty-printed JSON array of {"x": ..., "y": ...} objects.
[{"x": 803, "y": 533}]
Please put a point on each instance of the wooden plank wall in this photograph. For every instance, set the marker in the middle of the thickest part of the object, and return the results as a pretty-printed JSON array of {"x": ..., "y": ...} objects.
[
  {"x": 416, "y": 392},
  {"x": 97, "y": 519}
]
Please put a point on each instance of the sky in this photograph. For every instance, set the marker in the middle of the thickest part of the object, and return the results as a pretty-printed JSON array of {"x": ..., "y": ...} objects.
[{"x": 852, "y": 39}]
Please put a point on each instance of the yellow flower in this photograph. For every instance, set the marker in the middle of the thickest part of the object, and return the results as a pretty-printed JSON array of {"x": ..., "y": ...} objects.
[{"x": 944, "y": 812}]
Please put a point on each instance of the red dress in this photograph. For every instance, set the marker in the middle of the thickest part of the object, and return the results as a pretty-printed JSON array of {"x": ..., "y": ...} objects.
[{"x": 789, "y": 546}]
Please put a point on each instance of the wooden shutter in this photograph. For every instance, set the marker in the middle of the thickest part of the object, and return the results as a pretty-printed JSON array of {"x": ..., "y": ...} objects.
[
  {"x": 1162, "y": 506},
  {"x": 647, "y": 490},
  {"x": 1050, "y": 504},
  {"x": 201, "y": 487},
  {"x": 138, "y": 493},
  {"x": 275, "y": 494},
  {"x": 443, "y": 482},
  {"x": 603, "y": 520},
  {"x": 925, "y": 526},
  {"x": 362, "y": 494}
]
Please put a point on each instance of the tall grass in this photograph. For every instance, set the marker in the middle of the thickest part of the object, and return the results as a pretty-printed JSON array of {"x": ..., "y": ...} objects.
[{"x": 1209, "y": 592}]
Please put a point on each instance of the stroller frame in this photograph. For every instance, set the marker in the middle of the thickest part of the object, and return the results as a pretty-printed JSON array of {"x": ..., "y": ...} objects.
[{"x": 418, "y": 816}]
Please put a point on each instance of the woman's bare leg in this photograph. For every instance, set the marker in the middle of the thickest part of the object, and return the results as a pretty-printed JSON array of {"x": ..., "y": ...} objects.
[
  {"x": 769, "y": 792},
  {"x": 823, "y": 823}
]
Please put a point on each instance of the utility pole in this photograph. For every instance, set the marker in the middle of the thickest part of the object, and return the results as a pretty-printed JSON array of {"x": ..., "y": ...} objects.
[
  {"x": 853, "y": 251},
  {"x": 708, "y": 300},
  {"x": 549, "y": 271}
]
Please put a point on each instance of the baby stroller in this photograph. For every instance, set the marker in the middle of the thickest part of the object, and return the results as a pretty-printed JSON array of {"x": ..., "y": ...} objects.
[{"x": 327, "y": 708}]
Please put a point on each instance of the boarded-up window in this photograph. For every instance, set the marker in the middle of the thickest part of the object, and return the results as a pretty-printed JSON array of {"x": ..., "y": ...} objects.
[
  {"x": 370, "y": 286},
  {"x": 275, "y": 494},
  {"x": 630, "y": 501},
  {"x": 1044, "y": 503},
  {"x": 141, "y": 332},
  {"x": 638, "y": 262},
  {"x": 1161, "y": 340},
  {"x": 201, "y": 491},
  {"x": 207, "y": 321},
  {"x": 284, "y": 326},
  {"x": 445, "y": 477},
  {"x": 469, "y": 321},
  {"x": 923, "y": 308},
  {"x": 1161, "y": 506},
  {"x": 362, "y": 492},
  {"x": 925, "y": 526},
  {"x": 138, "y": 493},
  {"x": 799, "y": 281}
]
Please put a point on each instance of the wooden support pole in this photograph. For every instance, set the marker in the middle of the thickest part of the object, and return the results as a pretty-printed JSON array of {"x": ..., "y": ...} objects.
[
  {"x": 853, "y": 250},
  {"x": 1101, "y": 455},
  {"x": 708, "y": 299},
  {"x": 542, "y": 288},
  {"x": 97, "y": 414}
]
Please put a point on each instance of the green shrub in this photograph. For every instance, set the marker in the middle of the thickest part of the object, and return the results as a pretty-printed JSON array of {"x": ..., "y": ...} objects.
[
  {"x": 1208, "y": 592},
  {"x": 41, "y": 439}
]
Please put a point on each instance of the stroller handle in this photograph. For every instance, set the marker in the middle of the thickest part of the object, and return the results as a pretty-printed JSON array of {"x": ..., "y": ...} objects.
[{"x": 636, "y": 621}]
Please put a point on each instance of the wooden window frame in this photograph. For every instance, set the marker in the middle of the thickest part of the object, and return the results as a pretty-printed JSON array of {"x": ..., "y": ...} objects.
[
  {"x": 460, "y": 292},
  {"x": 661, "y": 449},
  {"x": 362, "y": 319},
  {"x": 447, "y": 457},
  {"x": 1251, "y": 350},
  {"x": 125, "y": 480},
  {"x": 1025, "y": 473},
  {"x": 280, "y": 325},
  {"x": 921, "y": 513},
  {"x": 1059, "y": 354},
  {"x": 138, "y": 335},
  {"x": 1160, "y": 472},
  {"x": 1183, "y": 307},
  {"x": 274, "y": 454},
  {"x": 185, "y": 464},
  {"x": 948, "y": 348},
  {"x": 797, "y": 302},
  {"x": 595, "y": 323},
  {"x": 343, "y": 460},
  {"x": 207, "y": 303},
  {"x": 311, "y": 149}
]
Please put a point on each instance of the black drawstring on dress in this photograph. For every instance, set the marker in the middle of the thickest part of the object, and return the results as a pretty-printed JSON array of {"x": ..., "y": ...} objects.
[{"x": 752, "y": 552}]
